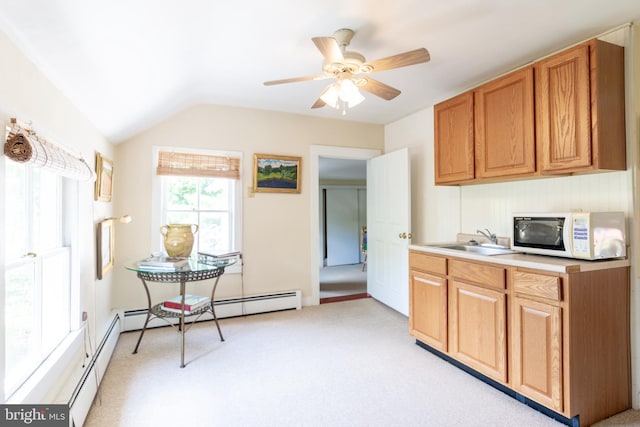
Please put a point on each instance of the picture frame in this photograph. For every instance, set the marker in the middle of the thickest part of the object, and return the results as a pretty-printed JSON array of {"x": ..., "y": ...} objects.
[
  {"x": 276, "y": 174},
  {"x": 104, "y": 178},
  {"x": 104, "y": 240}
]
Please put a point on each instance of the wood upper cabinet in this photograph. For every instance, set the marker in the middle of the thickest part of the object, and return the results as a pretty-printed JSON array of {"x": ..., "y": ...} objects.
[
  {"x": 428, "y": 299},
  {"x": 504, "y": 126},
  {"x": 563, "y": 115},
  {"x": 487, "y": 133},
  {"x": 580, "y": 111},
  {"x": 454, "y": 147}
]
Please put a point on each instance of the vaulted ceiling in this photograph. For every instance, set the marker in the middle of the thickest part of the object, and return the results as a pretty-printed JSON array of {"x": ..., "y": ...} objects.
[{"x": 128, "y": 64}]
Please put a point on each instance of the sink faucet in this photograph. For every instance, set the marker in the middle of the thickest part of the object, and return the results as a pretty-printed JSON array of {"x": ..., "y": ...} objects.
[{"x": 489, "y": 235}]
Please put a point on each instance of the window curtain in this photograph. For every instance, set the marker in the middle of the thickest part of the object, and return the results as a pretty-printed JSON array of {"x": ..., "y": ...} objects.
[
  {"x": 23, "y": 146},
  {"x": 194, "y": 164}
]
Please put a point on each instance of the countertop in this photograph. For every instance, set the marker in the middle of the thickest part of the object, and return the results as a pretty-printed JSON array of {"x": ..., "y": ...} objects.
[{"x": 538, "y": 262}]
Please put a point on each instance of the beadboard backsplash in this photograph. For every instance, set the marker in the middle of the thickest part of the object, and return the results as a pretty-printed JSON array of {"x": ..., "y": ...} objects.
[{"x": 491, "y": 205}]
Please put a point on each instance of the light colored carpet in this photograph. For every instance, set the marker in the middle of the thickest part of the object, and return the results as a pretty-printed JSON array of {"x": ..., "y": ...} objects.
[
  {"x": 341, "y": 280},
  {"x": 344, "y": 364}
]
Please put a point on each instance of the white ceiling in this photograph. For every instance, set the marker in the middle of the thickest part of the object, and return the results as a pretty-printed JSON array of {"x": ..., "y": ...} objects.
[{"x": 128, "y": 64}]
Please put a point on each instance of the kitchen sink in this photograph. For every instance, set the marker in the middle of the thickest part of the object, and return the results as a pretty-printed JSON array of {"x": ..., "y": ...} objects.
[{"x": 479, "y": 249}]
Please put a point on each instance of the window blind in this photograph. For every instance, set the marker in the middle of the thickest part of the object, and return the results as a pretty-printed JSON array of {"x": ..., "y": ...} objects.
[
  {"x": 194, "y": 164},
  {"x": 23, "y": 146}
]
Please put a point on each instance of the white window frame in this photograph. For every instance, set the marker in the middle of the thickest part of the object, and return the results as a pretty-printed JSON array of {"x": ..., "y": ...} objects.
[
  {"x": 43, "y": 377},
  {"x": 158, "y": 210}
]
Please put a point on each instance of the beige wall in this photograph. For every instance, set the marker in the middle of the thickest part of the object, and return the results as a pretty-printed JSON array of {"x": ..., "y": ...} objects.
[
  {"x": 26, "y": 94},
  {"x": 441, "y": 212},
  {"x": 276, "y": 227}
]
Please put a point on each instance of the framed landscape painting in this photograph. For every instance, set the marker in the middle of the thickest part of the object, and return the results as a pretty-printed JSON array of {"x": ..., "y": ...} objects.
[{"x": 276, "y": 174}]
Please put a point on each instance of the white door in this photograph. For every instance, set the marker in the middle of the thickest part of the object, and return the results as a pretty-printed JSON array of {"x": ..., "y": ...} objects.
[
  {"x": 343, "y": 238},
  {"x": 388, "y": 222}
]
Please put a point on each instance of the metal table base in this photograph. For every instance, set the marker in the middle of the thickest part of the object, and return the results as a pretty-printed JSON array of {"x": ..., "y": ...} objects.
[{"x": 182, "y": 277}]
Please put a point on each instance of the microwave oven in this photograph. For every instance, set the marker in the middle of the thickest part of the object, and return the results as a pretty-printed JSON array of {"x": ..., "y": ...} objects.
[{"x": 581, "y": 235}]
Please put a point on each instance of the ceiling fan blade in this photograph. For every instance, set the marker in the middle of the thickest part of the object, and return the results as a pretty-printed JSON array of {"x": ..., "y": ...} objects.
[
  {"x": 412, "y": 57},
  {"x": 318, "y": 104},
  {"x": 329, "y": 48},
  {"x": 379, "y": 89},
  {"x": 295, "y": 79}
]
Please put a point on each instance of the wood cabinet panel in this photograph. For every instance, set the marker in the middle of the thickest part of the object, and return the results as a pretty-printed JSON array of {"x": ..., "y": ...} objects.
[
  {"x": 504, "y": 126},
  {"x": 486, "y": 275},
  {"x": 424, "y": 262},
  {"x": 580, "y": 109},
  {"x": 538, "y": 285},
  {"x": 536, "y": 351},
  {"x": 597, "y": 353},
  {"x": 477, "y": 328},
  {"x": 563, "y": 108},
  {"x": 453, "y": 140},
  {"x": 428, "y": 309}
]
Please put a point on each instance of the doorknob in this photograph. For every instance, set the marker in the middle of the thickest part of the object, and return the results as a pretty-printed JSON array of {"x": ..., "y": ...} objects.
[{"x": 405, "y": 235}]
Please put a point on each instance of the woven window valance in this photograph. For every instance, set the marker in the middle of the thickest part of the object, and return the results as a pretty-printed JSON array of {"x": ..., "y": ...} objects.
[
  {"x": 194, "y": 164},
  {"x": 23, "y": 146}
]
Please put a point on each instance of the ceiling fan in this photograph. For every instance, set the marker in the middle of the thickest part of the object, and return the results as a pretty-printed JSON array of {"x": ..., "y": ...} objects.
[{"x": 350, "y": 71}]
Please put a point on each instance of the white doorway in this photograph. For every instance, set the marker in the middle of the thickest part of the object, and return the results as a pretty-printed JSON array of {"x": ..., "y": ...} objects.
[{"x": 317, "y": 252}]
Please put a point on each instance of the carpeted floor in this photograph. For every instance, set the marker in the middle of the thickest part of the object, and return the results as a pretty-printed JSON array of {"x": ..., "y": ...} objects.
[{"x": 344, "y": 364}]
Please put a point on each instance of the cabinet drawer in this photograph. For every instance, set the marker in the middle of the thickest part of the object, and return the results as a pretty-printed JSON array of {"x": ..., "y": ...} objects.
[
  {"x": 424, "y": 262},
  {"x": 486, "y": 275},
  {"x": 539, "y": 285}
]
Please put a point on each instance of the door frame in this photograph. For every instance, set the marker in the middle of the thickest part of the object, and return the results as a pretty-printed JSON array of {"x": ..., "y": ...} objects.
[{"x": 318, "y": 151}]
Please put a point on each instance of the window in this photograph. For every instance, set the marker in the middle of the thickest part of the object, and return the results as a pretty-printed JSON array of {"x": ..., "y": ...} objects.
[
  {"x": 37, "y": 271},
  {"x": 207, "y": 202},
  {"x": 202, "y": 188}
]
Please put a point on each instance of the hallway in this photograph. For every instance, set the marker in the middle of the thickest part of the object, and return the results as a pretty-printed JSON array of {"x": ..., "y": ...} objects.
[{"x": 342, "y": 282}]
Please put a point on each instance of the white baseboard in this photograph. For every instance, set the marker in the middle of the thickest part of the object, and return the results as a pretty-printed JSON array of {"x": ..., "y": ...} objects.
[
  {"x": 231, "y": 307},
  {"x": 86, "y": 388}
]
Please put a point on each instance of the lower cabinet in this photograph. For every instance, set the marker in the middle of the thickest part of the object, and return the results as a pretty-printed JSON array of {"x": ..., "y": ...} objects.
[
  {"x": 428, "y": 299},
  {"x": 477, "y": 328},
  {"x": 536, "y": 337},
  {"x": 536, "y": 351},
  {"x": 558, "y": 339},
  {"x": 428, "y": 295}
]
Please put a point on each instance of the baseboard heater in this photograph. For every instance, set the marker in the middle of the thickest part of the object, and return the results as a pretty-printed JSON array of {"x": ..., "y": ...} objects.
[
  {"x": 231, "y": 307},
  {"x": 88, "y": 385}
]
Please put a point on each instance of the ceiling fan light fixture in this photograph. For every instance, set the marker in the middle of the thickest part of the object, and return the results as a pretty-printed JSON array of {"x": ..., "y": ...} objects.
[
  {"x": 331, "y": 95},
  {"x": 350, "y": 94},
  {"x": 342, "y": 94}
]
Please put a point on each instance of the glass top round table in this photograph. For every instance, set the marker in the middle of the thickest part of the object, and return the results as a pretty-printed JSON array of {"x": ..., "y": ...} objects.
[{"x": 193, "y": 270}]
